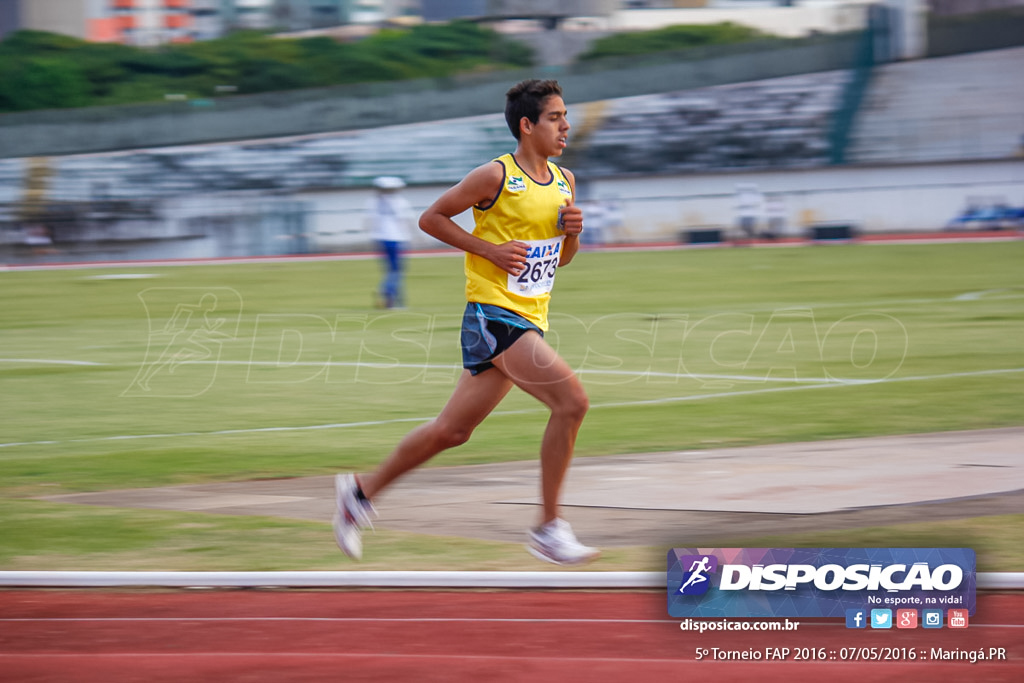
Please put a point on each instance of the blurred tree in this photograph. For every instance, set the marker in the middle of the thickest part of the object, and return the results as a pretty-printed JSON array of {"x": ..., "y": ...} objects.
[
  {"x": 41, "y": 83},
  {"x": 668, "y": 39},
  {"x": 48, "y": 70}
]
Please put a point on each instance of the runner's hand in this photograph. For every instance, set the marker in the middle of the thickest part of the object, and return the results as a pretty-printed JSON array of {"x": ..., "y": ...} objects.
[
  {"x": 509, "y": 256},
  {"x": 571, "y": 218}
]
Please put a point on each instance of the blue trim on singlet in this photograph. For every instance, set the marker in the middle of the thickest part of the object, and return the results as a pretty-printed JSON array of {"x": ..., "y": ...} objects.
[
  {"x": 501, "y": 187},
  {"x": 548, "y": 166}
]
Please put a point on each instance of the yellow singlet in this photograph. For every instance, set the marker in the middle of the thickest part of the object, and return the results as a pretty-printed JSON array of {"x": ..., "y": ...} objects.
[{"x": 525, "y": 210}]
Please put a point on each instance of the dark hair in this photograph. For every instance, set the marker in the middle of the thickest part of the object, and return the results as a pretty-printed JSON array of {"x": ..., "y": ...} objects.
[{"x": 526, "y": 98}]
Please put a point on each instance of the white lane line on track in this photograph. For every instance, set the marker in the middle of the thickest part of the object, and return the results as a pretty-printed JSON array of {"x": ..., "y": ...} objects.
[
  {"x": 367, "y": 655},
  {"x": 422, "y": 620},
  {"x": 687, "y": 659},
  {"x": 405, "y": 620},
  {"x": 618, "y": 404}
]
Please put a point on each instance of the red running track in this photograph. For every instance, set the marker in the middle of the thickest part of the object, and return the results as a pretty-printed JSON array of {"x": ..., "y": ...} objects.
[{"x": 278, "y": 636}]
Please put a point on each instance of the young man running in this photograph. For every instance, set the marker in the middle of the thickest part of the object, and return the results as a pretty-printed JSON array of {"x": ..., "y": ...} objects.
[{"x": 526, "y": 226}]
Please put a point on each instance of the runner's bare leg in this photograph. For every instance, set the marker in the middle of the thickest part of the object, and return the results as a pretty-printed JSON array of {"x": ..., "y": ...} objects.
[
  {"x": 474, "y": 398},
  {"x": 538, "y": 370}
]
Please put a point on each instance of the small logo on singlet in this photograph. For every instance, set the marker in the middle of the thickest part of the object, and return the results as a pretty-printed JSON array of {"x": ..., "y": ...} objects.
[
  {"x": 515, "y": 183},
  {"x": 564, "y": 188}
]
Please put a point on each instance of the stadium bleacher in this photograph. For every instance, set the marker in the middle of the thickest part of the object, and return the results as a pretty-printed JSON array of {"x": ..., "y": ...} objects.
[
  {"x": 952, "y": 108},
  {"x": 781, "y": 122},
  {"x": 945, "y": 109}
]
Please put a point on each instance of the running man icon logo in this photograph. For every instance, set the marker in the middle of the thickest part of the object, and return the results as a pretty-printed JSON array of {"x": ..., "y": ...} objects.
[
  {"x": 188, "y": 327},
  {"x": 697, "y": 580}
]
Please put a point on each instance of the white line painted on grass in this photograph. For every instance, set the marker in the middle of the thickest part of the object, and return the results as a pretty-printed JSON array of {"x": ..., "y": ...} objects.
[
  {"x": 427, "y": 366},
  {"x": 618, "y": 404},
  {"x": 424, "y": 366},
  {"x": 987, "y": 294},
  {"x": 50, "y": 361},
  {"x": 580, "y": 371}
]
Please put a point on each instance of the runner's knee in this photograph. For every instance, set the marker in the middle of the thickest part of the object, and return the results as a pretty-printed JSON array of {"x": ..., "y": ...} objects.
[
  {"x": 573, "y": 404},
  {"x": 447, "y": 435}
]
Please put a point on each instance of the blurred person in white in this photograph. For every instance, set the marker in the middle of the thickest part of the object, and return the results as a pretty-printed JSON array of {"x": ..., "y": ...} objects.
[
  {"x": 526, "y": 226},
  {"x": 775, "y": 208},
  {"x": 391, "y": 220},
  {"x": 749, "y": 207}
]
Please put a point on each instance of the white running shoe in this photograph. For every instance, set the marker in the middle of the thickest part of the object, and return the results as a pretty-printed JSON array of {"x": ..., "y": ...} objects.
[
  {"x": 351, "y": 515},
  {"x": 556, "y": 543}
]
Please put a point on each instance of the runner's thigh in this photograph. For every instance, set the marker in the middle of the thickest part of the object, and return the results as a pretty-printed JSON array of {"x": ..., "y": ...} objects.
[
  {"x": 474, "y": 398},
  {"x": 536, "y": 368}
]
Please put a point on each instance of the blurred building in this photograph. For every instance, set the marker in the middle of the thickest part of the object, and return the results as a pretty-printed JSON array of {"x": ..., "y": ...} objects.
[
  {"x": 135, "y": 22},
  {"x": 493, "y": 10},
  {"x": 10, "y": 16},
  {"x": 152, "y": 22},
  {"x": 947, "y": 7},
  {"x": 667, "y": 4},
  {"x": 142, "y": 22},
  {"x": 300, "y": 15},
  {"x": 215, "y": 18},
  {"x": 307, "y": 15}
]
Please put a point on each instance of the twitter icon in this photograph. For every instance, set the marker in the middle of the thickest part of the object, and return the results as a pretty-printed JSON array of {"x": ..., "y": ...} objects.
[{"x": 881, "y": 618}]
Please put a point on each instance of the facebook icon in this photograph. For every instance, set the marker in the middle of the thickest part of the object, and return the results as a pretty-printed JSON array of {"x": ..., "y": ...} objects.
[{"x": 856, "y": 618}]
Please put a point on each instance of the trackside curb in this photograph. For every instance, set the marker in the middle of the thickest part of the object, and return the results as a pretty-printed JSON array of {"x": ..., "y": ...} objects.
[{"x": 384, "y": 579}]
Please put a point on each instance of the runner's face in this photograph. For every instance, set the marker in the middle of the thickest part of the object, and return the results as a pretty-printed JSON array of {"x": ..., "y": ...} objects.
[{"x": 551, "y": 131}]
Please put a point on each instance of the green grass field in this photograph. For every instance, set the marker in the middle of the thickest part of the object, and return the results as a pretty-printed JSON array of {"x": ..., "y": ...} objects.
[{"x": 233, "y": 372}]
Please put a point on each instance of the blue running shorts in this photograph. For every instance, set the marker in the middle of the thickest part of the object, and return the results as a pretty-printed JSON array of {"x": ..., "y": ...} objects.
[{"x": 488, "y": 331}]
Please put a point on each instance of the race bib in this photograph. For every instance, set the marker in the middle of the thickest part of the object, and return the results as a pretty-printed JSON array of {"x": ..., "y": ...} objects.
[{"x": 541, "y": 263}]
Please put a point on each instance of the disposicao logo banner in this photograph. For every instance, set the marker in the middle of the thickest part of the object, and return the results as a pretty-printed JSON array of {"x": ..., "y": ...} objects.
[{"x": 817, "y": 582}]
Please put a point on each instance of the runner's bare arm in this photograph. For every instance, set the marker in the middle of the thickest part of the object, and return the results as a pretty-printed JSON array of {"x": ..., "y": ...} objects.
[
  {"x": 572, "y": 223},
  {"x": 479, "y": 187}
]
